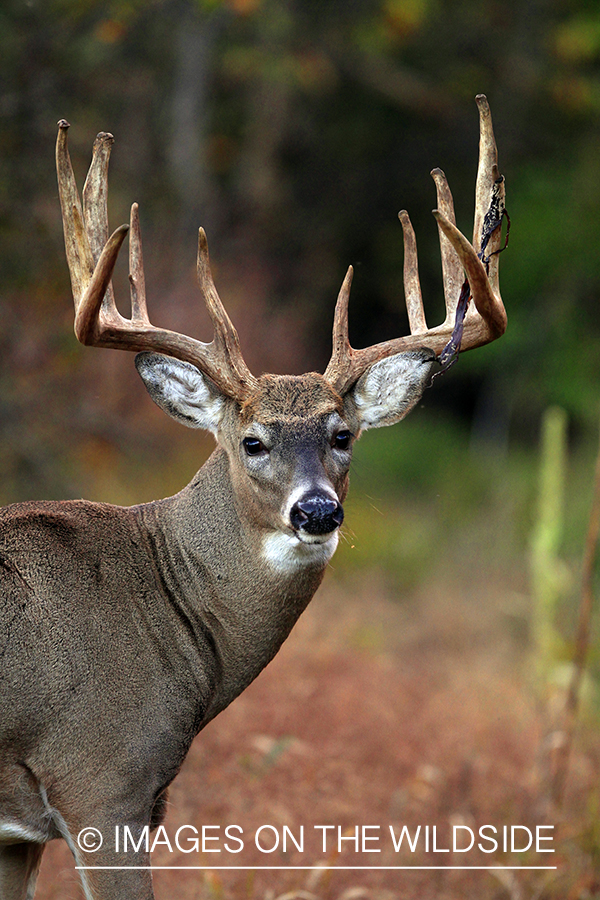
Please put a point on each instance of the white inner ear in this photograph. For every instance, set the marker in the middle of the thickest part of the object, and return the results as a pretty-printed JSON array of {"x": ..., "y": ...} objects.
[
  {"x": 389, "y": 389},
  {"x": 182, "y": 391}
]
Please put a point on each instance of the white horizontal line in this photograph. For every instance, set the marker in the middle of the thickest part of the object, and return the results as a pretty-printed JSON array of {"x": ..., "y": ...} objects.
[{"x": 309, "y": 868}]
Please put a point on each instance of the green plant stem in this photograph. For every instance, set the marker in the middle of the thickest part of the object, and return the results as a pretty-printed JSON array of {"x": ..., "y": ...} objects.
[
  {"x": 546, "y": 567},
  {"x": 582, "y": 641}
]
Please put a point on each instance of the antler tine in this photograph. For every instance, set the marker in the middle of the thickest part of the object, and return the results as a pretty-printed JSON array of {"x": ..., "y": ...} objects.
[
  {"x": 92, "y": 255},
  {"x": 95, "y": 204},
  {"x": 342, "y": 352},
  {"x": 341, "y": 342},
  {"x": 137, "y": 279},
  {"x": 452, "y": 273},
  {"x": 487, "y": 169},
  {"x": 412, "y": 285},
  {"x": 79, "y": 255},
  {"x": 489, "y": 184},
  {"x": 226, "y": 342},
  {"x": 487, "y": 321}
]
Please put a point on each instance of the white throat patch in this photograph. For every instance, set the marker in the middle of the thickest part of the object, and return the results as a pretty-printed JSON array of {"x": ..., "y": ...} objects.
[{"x": 287, "y": 553}]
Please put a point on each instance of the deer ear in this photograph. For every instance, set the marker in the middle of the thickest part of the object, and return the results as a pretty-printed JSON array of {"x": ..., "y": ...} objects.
[
  {"x": 390, "y": 388},
  {"x": 182, "y": 390}
]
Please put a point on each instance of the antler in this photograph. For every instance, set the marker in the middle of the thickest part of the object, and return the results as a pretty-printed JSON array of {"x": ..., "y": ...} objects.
[
  {"x": 485, "y": 319},
  {"x": 92, "y": 255}
]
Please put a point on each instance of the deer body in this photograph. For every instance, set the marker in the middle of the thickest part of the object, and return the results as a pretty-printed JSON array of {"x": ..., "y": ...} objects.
[
  {"x": 123, "y": 631},
  {"x": 146, "y": 661}
]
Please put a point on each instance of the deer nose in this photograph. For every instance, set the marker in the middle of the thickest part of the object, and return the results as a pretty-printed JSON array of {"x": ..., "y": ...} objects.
[{"x": 316, "y": 514}]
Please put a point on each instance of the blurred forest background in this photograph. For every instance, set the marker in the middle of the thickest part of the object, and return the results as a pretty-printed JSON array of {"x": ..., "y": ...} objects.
[{"x": 294, "y": 131}]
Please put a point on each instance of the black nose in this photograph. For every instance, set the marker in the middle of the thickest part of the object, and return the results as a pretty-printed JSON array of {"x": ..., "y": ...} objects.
[{"x": 316, "y": 514}]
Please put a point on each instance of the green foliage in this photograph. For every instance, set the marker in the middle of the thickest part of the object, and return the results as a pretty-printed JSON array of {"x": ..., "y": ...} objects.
[
  {"x": 578, "y": 38},
  {"x": 425, "y": 498},
  {"x": 397, "y": 541}
]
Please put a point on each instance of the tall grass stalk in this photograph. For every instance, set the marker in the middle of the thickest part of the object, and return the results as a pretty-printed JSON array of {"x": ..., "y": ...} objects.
[{"x": 549, "y": 577}]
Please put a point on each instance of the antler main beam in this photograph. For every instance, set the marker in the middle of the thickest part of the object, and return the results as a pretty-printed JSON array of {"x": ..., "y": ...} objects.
[
  {"x": 485, "y": 319},
  {"x": 91, "y": 256}
]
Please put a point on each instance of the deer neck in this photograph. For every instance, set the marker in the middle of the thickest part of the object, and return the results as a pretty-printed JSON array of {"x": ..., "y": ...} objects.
[{"x": 212, "y": 568}]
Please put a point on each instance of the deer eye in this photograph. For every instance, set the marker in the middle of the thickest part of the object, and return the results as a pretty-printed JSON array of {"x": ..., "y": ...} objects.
[
  {"x": 253, "y": 446},
  {"x": 342, "y": 440}
]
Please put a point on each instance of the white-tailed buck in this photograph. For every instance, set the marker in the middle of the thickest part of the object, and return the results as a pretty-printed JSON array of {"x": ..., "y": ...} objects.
[{"x": 123, "y": 631}]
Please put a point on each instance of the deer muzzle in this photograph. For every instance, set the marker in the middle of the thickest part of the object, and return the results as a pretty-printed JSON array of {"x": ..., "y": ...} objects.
[{"x": 316, "y": 514}]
